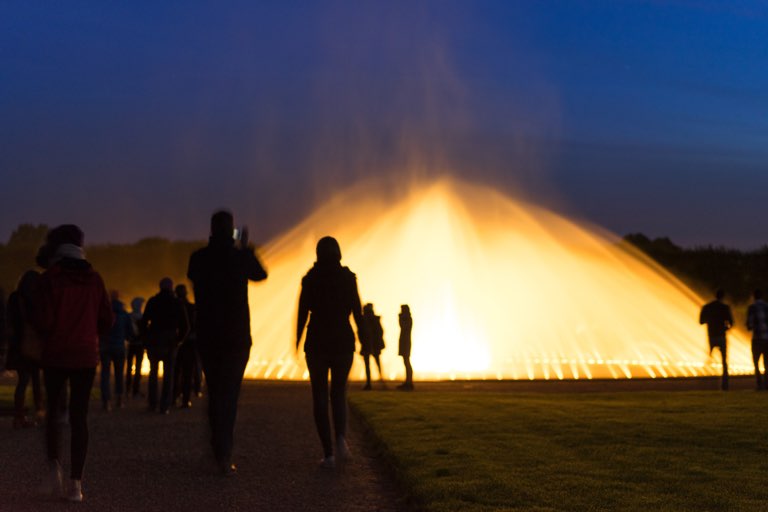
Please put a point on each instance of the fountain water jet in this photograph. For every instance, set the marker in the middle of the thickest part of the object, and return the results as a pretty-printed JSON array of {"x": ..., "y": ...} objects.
[{"x": 499, "y": 289}]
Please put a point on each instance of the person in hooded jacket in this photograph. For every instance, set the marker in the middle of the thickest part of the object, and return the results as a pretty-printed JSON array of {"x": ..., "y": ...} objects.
[
  {"x": 220, "y": 273},
  {"x": 112, "y": 352},
  {"x": 328, "y": 297},
  {"x": 73, "y": 313}
]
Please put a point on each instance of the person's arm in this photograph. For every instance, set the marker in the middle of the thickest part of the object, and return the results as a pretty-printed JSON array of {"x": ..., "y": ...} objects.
[
  {"x": 357, "y": 314},
  {"x": 702, "y": 315},
  {"x": 750, "y": 318},
  {"x": 106, "y": 317},
  {"x": 253, "y": 267},
  {"x": 730, "y": 318},
  {"x": 301, "y": 320},
  {"x": 183, "y": 322}
]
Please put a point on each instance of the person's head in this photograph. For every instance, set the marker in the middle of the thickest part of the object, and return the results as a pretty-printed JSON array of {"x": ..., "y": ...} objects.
[
  {"x": 114, "y": 295},
  {"x": 720, "y": 294},
  {"x": 405, "y": 309},
  {"x": 166, "y": 284},
  {"x": 758, "y": 294},
  {"x": 137, "y": 303},
  {"x": 181, "y": 291},
  {"x": 368, "y": 308},
  {"x": 66, "y": 234},
  {"x": 222, "y": 224},
  {"x": 328, "y": 250}
]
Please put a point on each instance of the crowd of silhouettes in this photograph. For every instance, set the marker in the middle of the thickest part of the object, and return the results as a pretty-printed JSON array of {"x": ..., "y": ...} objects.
[{"x": 62, "y": 324}]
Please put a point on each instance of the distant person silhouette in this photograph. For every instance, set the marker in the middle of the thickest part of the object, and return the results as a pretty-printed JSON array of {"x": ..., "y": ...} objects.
[
  {"x": 135, "y": 351},
  {"x": 328, "y": 297},
  {"x": 3, "y": 329},
  {"x": 718, "y": 317},
  {"x": 372, "y": 343},
  {"x": 25, "y": 348},
  {"x": 186, "y": 360},
  {"x": 757, "y": 322},
  {"x": 404, "y": 346},
  {"x": 74, "y": 312},
  {"x": 220, "y": 273},
  {"x": 165, "y": 324},
  {"x": 112, "y": 352}
]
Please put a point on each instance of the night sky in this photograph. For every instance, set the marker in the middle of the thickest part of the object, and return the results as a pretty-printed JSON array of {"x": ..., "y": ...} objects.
[{"x": 138, "y": 119}]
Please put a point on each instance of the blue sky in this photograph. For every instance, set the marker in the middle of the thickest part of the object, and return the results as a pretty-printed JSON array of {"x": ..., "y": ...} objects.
[{"x": 138, "y": 119}]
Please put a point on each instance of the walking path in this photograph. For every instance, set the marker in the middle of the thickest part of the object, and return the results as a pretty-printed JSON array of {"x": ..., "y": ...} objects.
[{"x": 149, "y": 462}]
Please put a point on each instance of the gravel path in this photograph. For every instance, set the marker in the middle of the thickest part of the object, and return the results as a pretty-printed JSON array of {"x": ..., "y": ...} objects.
[{"x": 144, "y": 462}]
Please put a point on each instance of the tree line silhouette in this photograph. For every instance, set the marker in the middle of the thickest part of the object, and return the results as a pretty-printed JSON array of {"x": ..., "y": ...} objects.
[{"x": 135, "y": 268}]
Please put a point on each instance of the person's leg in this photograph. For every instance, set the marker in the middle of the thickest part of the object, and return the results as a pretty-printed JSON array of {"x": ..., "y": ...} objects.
[
  {"x": 724, "y": 355},
  {"x": 231, "y": 382},
  {"x": 130, "y": 356},
  {"x": 106, "y": 359},
  {"x": 19, "y": 396},
  {"x": 367, "y": 361},
  {"x": 154, "y": 363},
  {"x": 81, "y": 382},
  {"x": 212, "y": 370},
  {"x": 118, "y": 360},
  {"x": 55, "y": 381},
  {"x": 756, "y": 361},
  {"x": 197, "y": 375},
  {"x": 37, "y": 391},
  {"x": 378, "y": 365},
  {"x": 186, "y": 358},
  {"x": 169, "y": 363},
  {"x": 318, "y": 378},
  {"x": 137, "y": 373},
  {"x": 340, "y": 366},
  {"x": 408, "y": 370}
]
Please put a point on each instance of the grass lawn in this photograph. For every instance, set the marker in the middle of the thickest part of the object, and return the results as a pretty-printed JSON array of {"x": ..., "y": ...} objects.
[{"x": 620, "y": 451}]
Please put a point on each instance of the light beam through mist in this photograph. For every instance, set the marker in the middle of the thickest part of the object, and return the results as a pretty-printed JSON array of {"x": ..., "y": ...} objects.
[{"x": 498, "y": 289}]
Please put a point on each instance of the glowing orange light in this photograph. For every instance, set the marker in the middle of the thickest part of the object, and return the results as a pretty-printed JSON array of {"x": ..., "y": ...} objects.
[{"x": 498, "y": 288}]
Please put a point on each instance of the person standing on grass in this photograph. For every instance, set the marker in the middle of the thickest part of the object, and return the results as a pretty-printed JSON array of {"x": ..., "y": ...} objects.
[
  {"x": 165, "y": 324},
  {"x": 220, "y": 273},
  {"x": 757, "y": 322},
  {"x": 328, "y": 297},
  {"x": 135, "y": 351},
  {"x": 404, "y": 346},
  {"x": 112, "y": 352},
  {"x": 73, "y": 313},
  {"x": 718, "y": 317},
  {"x": 372, "y": 343}
]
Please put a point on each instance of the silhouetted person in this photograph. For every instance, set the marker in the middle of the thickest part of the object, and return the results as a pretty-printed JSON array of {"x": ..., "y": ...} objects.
[
  {"x": 220, "y": 273},
  {"x": 328, "y": 297},
  {"x": 186, "y": 360},
  {"x": 372, "y": 343},
  {"x": 3, "y": 329},
  {"x": 74, "y": 312},
  {"x": 25, "y": 347},
  {"x": 404, "y": 345},
  {"x": 135, "y": 350},
  {"x": 112, "y": 352},
  {"x": 757, "y": 322},
  {"x": 165, "y": 324},
  {"x": 717, "y": 315}
]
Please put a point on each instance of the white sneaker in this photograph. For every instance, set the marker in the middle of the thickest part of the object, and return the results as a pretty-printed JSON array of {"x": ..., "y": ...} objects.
[
  {"x": 75, "y": 491},
  {"x": 328, "y": 462},
  {"x": 53, "y": 483},
  {"x": 342, "y": 448}
]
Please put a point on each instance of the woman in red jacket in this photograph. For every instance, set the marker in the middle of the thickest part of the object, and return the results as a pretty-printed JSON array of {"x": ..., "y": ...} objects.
[{"x": 74, "y": 312}]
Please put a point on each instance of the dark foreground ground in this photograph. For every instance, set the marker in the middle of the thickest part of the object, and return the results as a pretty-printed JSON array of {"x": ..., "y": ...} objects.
[{"x": 144, "y": 462}]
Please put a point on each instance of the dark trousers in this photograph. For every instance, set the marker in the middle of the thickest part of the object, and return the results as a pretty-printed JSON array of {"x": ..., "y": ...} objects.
[
  {"x": 224, "y": 376},
  {"x": 339, "y": 365},
  {"x": 186, "y": 369},
  {"x": 366, "y": 359},
  {"x": 724, "y": 355},
  {"x": 115, "y": 357},
  {"x": 409, "y": 370},
  {"x": 759, "y": 349},
  {"x": 161, "y": 354},
  {"x": 26, "y": 373},
  {"x": 80, "y": 384},
  {"x": 133, "y": 369}
]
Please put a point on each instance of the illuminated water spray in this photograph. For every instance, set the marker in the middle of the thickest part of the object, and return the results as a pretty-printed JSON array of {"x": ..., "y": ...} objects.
[{"x": 498, "y": 288}]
